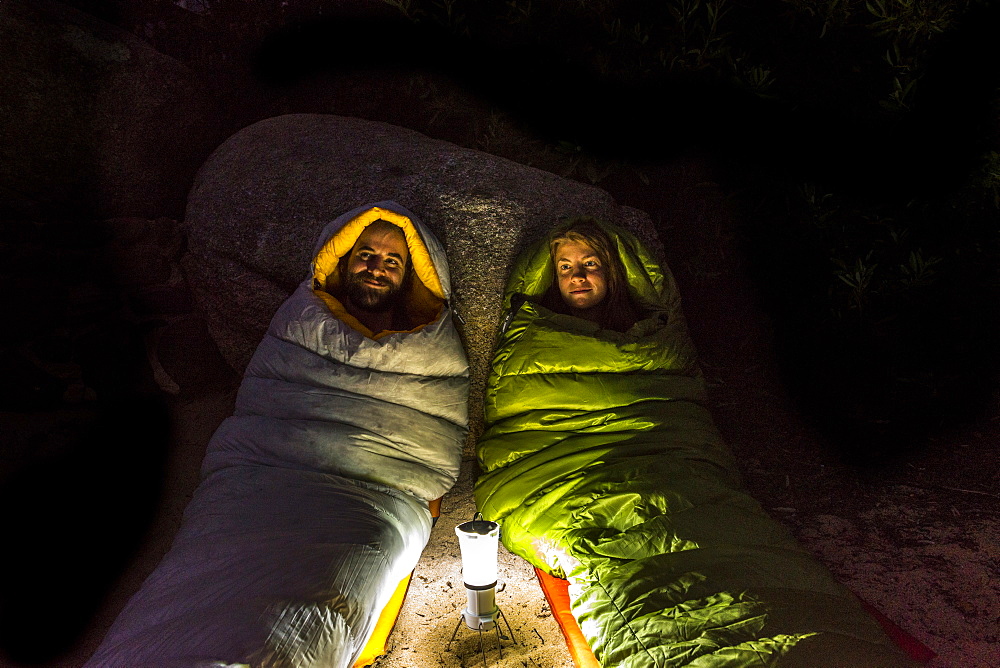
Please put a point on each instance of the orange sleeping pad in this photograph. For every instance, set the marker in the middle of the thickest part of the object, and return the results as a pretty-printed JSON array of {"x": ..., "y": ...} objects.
[{"x": 557, "y": 594}]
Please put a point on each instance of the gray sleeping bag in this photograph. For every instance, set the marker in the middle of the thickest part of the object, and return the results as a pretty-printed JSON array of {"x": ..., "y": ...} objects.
[{"x": 313, "y": 504}]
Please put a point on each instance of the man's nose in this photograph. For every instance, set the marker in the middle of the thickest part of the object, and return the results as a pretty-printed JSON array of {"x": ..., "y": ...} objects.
[{"x": 375, "y": 265}]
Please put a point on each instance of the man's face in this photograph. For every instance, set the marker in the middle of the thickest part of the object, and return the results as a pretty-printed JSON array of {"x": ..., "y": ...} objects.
[{"x": 376, "y": 268}]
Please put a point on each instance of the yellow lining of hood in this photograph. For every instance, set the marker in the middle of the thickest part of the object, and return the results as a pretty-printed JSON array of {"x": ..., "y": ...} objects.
[
  {"x": 425, "y": 299},
  {"x": 325, "y": 273}
]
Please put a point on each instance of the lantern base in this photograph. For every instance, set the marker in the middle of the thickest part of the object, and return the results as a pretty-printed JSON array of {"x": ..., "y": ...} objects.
[{"x": 482, "y": 614}]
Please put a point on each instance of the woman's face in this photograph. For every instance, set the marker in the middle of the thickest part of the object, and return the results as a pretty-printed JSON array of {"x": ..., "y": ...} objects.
[{"x": 581, "y": 276}]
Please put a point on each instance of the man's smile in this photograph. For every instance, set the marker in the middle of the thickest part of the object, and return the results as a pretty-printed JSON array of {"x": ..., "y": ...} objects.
[{"x": 373, "y": 281}]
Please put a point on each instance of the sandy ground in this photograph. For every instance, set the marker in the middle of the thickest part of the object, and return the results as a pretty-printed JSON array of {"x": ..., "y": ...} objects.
[
  {"x": 430, "y": 614},
  {"x": 938, "y": 580}
]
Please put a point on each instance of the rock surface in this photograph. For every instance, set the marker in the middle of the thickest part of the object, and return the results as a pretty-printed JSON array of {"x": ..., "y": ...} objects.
[
  {"x": 262, "y": 198},
  {"x": 93, "y": 121}
]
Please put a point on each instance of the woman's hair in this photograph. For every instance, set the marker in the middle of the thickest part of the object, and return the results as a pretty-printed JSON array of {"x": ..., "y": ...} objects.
[{"x": 618, "y": 311}]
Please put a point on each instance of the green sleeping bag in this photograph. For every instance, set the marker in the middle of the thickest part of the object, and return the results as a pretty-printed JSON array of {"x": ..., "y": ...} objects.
[{"x": 602, "y": 464}]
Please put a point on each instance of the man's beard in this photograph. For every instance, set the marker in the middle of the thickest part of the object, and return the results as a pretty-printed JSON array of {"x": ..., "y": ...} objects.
[{"x": 368, "y": 298}]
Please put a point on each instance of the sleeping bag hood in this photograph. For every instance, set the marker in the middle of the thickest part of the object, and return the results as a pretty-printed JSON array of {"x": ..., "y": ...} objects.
[
  {"x": 649, "y": 285},
  {"x": 430, "y": 286}
]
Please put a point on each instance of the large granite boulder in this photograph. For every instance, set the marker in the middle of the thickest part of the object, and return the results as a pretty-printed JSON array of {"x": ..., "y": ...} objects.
[
  {"x": 93, "y": 121},
  {"x": 263, "y": 196}
]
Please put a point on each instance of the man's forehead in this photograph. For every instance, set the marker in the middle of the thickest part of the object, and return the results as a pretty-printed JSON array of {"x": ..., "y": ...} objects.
[{"x": 382, "y": 232}]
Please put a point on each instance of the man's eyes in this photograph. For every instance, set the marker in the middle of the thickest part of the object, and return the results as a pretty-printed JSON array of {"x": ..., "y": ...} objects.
[{"x": 366, "y": 255}]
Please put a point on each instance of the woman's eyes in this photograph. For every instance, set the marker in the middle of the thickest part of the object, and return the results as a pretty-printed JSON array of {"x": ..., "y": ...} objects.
[{"x": 589, "y": 264}]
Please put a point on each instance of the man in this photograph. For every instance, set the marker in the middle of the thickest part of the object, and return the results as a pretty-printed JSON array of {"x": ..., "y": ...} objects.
[
  {"x": 314, "y": 503},
  {"x": 373, "y": 276}
]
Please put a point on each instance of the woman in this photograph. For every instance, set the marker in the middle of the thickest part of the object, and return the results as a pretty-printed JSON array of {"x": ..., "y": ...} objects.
[
  {"x": 589, "y": 278},
  {"x": 603, "y": 466}
]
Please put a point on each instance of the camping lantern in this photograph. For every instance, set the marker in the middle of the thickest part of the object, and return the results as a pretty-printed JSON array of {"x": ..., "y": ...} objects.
[{"x": 478, "y": 540}]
